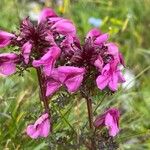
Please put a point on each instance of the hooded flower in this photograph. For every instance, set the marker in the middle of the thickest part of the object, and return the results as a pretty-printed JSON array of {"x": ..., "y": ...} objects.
[
  {"x": 110, "y": 119},
  {"x": 5, "y": 38},
  {"x": 110, "y": 76},
  {"x": 69, "y": 76},
  {"x": 113, "y": 51},
  {"x": 64, "y": 27},
  {"x": 8, "y": 64},
  {"x": 48, "y": 60},
  {"x": 40, "y": 128},
  {"x": 98, "y": 37}
]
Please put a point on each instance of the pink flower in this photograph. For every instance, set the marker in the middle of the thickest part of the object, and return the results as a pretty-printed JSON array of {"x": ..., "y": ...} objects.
[
  {"x": 94, "y": 33},
  {"x": 48, "y": 60},
  {"x": 45, "y": 14},
  {"x": 97, "y": 36},
  {"x": 40, "y": 128},
  {"x": 99, "y": 63},
  {"x": 69, "y": 76},
  {"x": 8, "y": 64},
  {"x": 110, "y": 119},
  {"x": 110, "y": 76},
  {"x": 26, "y": 50},
  {"x": 114, "y": 52},
  {"x": 5, "y": 38},
  {"x": 64, "y": 27}
]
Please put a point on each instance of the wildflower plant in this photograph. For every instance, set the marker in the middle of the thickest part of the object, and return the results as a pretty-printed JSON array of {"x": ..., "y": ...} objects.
[{"x": 53, "y": 48}]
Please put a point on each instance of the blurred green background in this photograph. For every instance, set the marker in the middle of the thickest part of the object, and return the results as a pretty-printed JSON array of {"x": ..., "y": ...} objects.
[{"x": 128, "y": 23}]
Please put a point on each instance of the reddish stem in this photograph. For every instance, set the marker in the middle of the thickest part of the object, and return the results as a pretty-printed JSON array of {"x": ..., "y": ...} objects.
[
  {"x": 43, "y": 97},
  {"x": 90, "y": 117}
]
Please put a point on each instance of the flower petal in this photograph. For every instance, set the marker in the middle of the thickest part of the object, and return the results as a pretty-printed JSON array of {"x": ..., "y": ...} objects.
[
  {"x": 52, "y": 87},
  {"x": 5, "y": 38},
  {"x": 45, "y": 128},
  {"x": 74, "y": 83},
  {"x": 48, "y": 60},
  {"x": 45, "y": 14},
  {"x": 113, "y": 83},
  {"x": 26, "y": 50},
  {"x": 101, "y": 39},
  {"x": 32, "y": 132},
  {"x": 99, "y": 63},
  {"x": 7, "y": 69},
  {"x": 102, "y": 81},
  {"x": 64, "y": 27},
  {"x": 111, "y": 125},
  {"x": 94, "y": 33}
]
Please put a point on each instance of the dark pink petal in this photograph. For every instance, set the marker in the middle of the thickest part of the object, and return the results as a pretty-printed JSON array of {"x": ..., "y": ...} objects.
[
  {"x": 67, "y": 72},
  {"x": 99, "y": 63},
  {"x": 45, "y": 128},
  {"x": 71, "y": 77},
  {"x": 94, "y": 33},
  {"x": 26, "y": 50},
  {"x": 8, "y": 57},
  {"x": 7, "y": 68},
  {"x": 101, "y": 39},
  {"x": 74, "y": 83},
  {"x": 102, "y": 81},
  {"x": 32, "y": 132},
  {"x": 64, "y": 27},
  {"x": 53, "y": 20},
  {"x": 45, "y": 14},
  {"x": 111, "y": 124},
  {"x": 41, "y": 119},
  {"x": 113, "y": 83},
  {"x": 106, "y": 69},
  {"x": 5, "y": 38},
  {"x": 48, "y": 60},
  {"x": 52, "y": 87},
  {"x": 113, "y": 50},
  {"x": 40, "y": 128},
  {"x": 110, "y": 119},
  {"x": 8, "y": 64}
]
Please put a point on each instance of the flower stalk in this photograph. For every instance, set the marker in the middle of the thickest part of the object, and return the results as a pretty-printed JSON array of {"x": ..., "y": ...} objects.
[
  {"x": 90, "y": 117},
  {"x": 43, "y": 96}
]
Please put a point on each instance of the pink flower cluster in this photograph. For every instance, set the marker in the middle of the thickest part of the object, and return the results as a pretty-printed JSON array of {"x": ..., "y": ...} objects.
[{"x": 53, "y": 46}]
